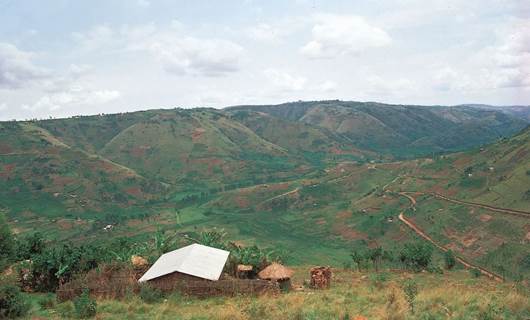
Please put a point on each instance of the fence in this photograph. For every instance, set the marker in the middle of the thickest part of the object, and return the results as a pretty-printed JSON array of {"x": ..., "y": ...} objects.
[{"x": 117, "y": 284}]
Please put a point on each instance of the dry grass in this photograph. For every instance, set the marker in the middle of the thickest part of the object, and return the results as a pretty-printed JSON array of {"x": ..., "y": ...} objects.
[{"x": 353, "y": 295}]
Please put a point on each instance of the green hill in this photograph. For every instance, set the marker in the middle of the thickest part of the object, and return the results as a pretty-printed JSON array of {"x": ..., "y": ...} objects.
[
  {"x": 400, "y": 130},
  {"x": 309, "y": 177}
]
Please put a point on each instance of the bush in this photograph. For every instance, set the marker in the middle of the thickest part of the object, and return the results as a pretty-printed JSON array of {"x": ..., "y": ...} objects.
[
  {"x": 148, "y": 294},
  {"x": 12, "y": 303},
  {"x": 84, "y": 306},
  {"x": 416, "y": 256},
  {"x": 47, "y": 302},
  {"x": 378, "y": 279},
  {"x": 7, "y": 243},
  {"x": 29, "y": 246},
  {"x": 434, "y": 269},
  {"x": 410, "y": 288},
  {"x": 59, "y": 264},
  {"x": 475, "y": 273},
  {"x": 449, "y": 259}
]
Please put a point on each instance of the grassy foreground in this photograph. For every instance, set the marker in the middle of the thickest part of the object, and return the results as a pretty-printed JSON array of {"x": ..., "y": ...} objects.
[{"x": 353, "y": 295}]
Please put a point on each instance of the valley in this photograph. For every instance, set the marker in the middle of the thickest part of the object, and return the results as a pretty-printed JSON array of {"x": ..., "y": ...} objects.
[{"x": 274, "y": 176}]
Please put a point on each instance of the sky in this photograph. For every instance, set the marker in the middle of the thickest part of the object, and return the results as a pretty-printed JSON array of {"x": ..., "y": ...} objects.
[{"x": 60, "y": 58}]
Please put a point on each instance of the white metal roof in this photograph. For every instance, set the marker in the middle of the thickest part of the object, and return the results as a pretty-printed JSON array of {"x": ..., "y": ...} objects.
[{"x": 196, "y": 260}]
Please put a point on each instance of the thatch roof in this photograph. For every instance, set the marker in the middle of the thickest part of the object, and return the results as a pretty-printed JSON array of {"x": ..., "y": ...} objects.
[
  {"x": 244, "y": 268},
  {"x": 275, "y": 271}
]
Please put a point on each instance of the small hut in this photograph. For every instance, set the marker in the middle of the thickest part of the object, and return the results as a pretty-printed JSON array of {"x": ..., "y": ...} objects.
[
  {"x": 244, "y": 271},
  {"x": 320, "y": 277},
  {"x": 277, "y": 272}
]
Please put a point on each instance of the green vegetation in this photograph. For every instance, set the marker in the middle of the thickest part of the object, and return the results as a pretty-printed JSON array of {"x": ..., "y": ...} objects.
[
  {"x": 7, "y": 243},
  {"x": 351, "y": 294},
  {"x": 84, "y": 306},
  {"x": 302, "y": 183}
]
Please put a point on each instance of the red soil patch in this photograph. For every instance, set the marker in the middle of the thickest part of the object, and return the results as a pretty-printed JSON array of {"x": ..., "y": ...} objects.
[
  {"x": 139, "y": 151},
  {"x": 343, "y": 215},
  {"x": 485, "y": 217},
  {"x": 462, "y": 161},
  {"x": 7, "y": 170},
  {"x": 134, "y": 191},
  {"x": 469, "y": 240},
  {"x": 279, "y": 187},
  {"x": 242, "y": 202},
  {"x": 197, "y": 134},
  {"x": 5, "y": 148},
  {"x": 61, "y": 181},
  {"x": 321, "y": 221},
  {"x": 65, "y": 224},
  {"x": 520, "y": 155},
  {"x": 348, "y": 233},
  {"x": 106, "y": 166}
]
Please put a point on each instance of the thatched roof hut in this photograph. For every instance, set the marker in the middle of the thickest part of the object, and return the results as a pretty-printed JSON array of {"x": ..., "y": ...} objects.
[{"x": 276, "y": 271}]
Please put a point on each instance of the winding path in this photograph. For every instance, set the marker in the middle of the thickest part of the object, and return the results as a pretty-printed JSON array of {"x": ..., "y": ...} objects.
[{"x": 422, "y": 234}]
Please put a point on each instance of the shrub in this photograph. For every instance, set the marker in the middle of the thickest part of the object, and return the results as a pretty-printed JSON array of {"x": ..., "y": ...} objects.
[
  {"x": 410, "y": 288},
  {"x": 449, "y": 259},
  {"x": 434, "y": 269},
  {"x": 378, "y": 279},
  {"x": 59, "y": 264},
  {"x": 7, "y": 243},
  {"x": 416, "y": 256},
  {"x": 149, "y": 294},
  {"x": 30, "y": 245},
  {"x": 475, "y": 273},
  {"x": 12, "y": 303},
  {"x": 47, "y": 302},
  {"x": 84, "y": 306}
]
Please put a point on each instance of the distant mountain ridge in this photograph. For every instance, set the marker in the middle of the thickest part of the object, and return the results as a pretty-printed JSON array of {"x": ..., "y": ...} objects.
[{"x": 401, "y": 130}]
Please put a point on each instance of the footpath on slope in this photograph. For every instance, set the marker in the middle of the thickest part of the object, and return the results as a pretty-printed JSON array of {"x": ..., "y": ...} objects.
[
  {"x": 480, "y": 205},
  {"x": 422, "y": 234}
]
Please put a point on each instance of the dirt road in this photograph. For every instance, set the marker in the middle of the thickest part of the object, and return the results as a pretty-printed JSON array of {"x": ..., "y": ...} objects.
[{"x": 425, "y": 236}]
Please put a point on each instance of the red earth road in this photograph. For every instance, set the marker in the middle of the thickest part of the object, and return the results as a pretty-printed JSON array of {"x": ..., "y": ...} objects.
[{"x": 422, "y": 234}]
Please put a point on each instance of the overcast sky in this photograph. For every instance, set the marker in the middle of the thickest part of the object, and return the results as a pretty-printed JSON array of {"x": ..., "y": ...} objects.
[{"x": 60, "y": 58}]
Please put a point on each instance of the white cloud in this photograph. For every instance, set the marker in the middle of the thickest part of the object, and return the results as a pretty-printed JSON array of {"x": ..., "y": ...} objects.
[
  {"x": 177, "y": 52},
  {"x": 327, "y": 86},
  {"x": 98, "y": 37},
  {"x": 505, "y": 64},
  {"x": 75, "y": 96},
  {"x": 285, "y": 81},
  {"x": 512, "y": 56},
  {"x": 379, "y": 88},
  {"x": 194, "y": 56},
  {"x": 3, "y": 106},
  {"x": 334, "y": 35},
  {"x": 17, "y": 68}
]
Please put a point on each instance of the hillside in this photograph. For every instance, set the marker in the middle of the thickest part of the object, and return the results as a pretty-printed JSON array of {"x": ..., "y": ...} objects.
[
  {"x": 287, "y": 176},
  {"x": 356, "y": 205},
  {"x": 400, "y": 130}
]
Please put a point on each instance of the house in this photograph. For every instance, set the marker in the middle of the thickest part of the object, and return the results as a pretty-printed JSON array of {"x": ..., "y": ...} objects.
[
  {"x": 278, "y": 273},
  {"x": 193, "y": 262}
]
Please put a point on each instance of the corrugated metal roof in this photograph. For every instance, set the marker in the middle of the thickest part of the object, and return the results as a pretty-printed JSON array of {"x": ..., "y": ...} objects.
[{"x": 196, "y": 260}]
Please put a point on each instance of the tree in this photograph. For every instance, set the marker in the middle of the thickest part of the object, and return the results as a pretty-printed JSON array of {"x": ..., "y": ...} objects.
[
  {"x": 416, "y": 256},
  {"x": 375, "y": 255},
  {"x": 7, "y": 243},
  {"x": 449, "y": 259},
  {"x": 30, "y": 245},
  {"x": 358, "y": 257},
  {"x": 410, "y": 288}
]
